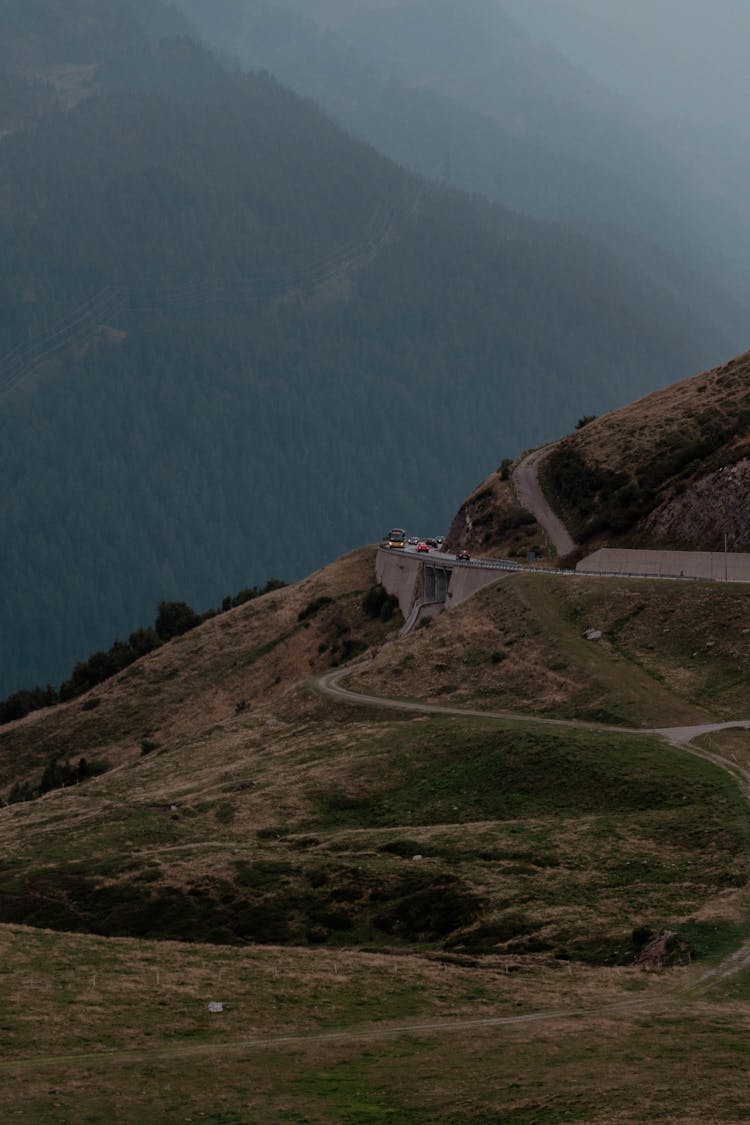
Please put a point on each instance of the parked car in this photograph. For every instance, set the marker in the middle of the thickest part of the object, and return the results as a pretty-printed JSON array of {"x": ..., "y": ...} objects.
[
  {"x": 463, "y": 556},
  {"x": 423, "y": 547}
]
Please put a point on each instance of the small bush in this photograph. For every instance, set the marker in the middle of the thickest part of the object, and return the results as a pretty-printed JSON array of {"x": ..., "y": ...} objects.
[
  {"x": 430, "y": 912},
  {"x": 57, "y": 775},
  {"x": 173, "y": 619},
  {"x": 372, "y": 602},
  {"x": 314, "y": 607}
]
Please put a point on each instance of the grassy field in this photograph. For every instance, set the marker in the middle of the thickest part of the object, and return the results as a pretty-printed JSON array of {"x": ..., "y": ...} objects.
[
  {"x": 98, "y": 1030},
  {"x": 365, "y": 890}
]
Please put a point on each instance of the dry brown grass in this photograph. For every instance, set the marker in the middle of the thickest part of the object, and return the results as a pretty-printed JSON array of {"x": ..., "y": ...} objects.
[
  {"x": 90, "y": 1025},
  {"x": 633, "y": 434},
  {"x": 253, "y": 655},
  {"x": 669, "y": 654},
  {"x": 90, "y": 1022}
]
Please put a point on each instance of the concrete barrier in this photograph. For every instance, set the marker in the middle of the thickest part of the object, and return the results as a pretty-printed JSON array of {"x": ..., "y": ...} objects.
[{"x": 716, "y": 566}]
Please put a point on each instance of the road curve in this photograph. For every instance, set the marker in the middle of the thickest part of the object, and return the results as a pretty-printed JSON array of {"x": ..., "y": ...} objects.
[
  {"x": 330, "y": 684},
  {"x": 530, "y": 496}
]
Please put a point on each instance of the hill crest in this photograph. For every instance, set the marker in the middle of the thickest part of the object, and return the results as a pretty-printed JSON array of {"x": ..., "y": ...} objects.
[{"x": 668, "y": 470}]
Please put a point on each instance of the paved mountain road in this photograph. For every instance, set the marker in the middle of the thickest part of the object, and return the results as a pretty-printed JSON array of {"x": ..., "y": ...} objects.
[{"x": 531, "y": 497}]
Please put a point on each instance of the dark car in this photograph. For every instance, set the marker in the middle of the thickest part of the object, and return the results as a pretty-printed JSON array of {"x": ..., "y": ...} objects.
[
  {"x": 463, "y": 556},
  {"x": 423, "y": 546},
  {"x": 431, "y": 542}
]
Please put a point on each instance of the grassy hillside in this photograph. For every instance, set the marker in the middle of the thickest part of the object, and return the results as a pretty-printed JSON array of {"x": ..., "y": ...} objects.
[
  {"x": 97, "y": 1023},
  {"x": 330, "y": 870},
  {"x": 669, "y": 470},
  {"x": 492, "y": 522},
  {"x": 240, "y": 805},
  {"x": 667, "y": 655}
]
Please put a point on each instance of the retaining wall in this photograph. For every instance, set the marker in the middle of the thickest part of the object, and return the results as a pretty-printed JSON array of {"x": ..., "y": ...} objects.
[{"x": 714, "y": 565}]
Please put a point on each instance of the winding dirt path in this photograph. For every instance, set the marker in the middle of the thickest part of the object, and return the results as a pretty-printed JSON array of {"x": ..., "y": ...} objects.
[
  {"x": 530, "y": 496},
  {"x": 330, "y": 684}
]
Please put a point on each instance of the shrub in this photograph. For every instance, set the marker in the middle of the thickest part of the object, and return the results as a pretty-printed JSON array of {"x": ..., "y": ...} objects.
[
  {"x": 22, "y": 703},
  {"x": 57, "y": 775},
  {"x": 314, "y": 607},
  {"x": 377, "y": 602},
  {"x": 173, "y": 619}
]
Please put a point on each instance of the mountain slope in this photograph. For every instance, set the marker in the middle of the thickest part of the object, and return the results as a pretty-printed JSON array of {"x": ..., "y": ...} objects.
[
  {"x": 224, "y": 325},
  {"x": 271, "y": 898},
  {"x": 240, "y": 806},
  {"x": 669, "y": 470},
  {"x": 470, "y": 92}
]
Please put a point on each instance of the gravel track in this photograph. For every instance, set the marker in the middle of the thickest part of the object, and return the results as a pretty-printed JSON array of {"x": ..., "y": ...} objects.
[{"x": 531, "y": 497}]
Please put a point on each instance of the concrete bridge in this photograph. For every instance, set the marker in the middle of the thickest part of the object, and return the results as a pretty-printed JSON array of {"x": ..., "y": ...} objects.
[{"x": 427, "y": 584}]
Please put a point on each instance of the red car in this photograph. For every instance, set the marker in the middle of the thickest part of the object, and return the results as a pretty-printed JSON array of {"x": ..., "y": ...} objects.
[
  {"x": 423, "y": 547},
  {"x": 463, "y": 556}
]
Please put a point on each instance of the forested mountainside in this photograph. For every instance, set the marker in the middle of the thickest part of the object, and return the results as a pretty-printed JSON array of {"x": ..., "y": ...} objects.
[
  {"x": 466, "y": 89},
  {"x": 52, "y": 55},
  {"x": 235, "y": 342}
]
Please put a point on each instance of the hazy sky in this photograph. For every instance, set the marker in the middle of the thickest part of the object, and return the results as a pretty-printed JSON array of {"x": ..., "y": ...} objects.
[{"x": 677, "y": 58}]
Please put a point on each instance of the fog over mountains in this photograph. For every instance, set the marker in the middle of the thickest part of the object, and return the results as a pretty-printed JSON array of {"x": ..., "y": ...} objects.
[
  {"x": 483, "y": 88},
  {"x": 680, "y": 60},
  {"x": 242, "y": 332}
]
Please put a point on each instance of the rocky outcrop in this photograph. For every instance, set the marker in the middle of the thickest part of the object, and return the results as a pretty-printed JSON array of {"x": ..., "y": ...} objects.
[{"x": 707, "y": 510}]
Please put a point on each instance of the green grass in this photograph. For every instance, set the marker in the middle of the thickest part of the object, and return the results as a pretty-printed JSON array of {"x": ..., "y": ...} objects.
[
  {"x": 453, "y": 770},
  {"x": 256, "y": 654},
  {"x": 534, "y": 840}
]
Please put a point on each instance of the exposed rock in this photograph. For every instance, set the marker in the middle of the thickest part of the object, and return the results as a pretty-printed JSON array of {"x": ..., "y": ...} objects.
[
  {"x": 663, "y": 950},
  {"x": 715, "y": 506}
]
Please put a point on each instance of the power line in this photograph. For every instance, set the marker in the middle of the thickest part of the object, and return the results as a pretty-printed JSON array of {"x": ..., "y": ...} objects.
[{"x": 89, "y": 314}]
